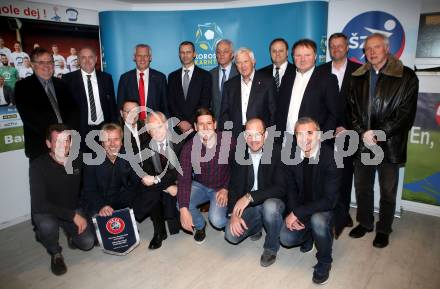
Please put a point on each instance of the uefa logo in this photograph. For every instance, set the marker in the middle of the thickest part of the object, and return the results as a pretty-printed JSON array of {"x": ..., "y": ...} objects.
[
  {"x": 358, "y": 29},
  {"x": 207, "y": 36},
  {"x": 115, "y": 226}
]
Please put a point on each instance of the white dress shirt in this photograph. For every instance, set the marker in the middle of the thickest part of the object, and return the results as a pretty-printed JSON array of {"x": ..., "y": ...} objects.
[
  {"x": 99, "y": 112},
  {"x": 339, "y": 73},
  {"x": 256, "y": 158},
  {"x": 245, "y": 92},
  {"x": 299, "y": 87}
]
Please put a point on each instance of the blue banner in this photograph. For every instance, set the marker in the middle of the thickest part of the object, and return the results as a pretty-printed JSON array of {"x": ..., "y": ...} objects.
[{"x": 253, "y": 27}]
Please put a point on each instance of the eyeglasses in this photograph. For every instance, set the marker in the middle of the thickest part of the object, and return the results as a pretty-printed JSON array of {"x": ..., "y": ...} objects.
[
  {"x": 44, "y": 62},
  {"x": 253, "y": 134}
]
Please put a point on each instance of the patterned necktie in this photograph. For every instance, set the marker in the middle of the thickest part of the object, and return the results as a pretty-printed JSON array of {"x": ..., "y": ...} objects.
[
  {"x": 185, "y": 83},
  {"x": 53, "y": 102},
  {"x": 277, "y": 77},
  {"x": 91, "y": 99},
  {"x": 223, "y": 80}
]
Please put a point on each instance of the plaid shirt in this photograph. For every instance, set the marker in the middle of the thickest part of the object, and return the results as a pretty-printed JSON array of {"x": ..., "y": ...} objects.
[{"x": 213, "y": 173}]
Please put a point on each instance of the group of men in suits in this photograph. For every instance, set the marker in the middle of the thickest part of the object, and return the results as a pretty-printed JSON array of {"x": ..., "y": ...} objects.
[{"x": 301, "y": 205}]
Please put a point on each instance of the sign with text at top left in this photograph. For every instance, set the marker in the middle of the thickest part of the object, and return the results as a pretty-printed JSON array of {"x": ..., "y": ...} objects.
[{"x": 117, "y": 234}]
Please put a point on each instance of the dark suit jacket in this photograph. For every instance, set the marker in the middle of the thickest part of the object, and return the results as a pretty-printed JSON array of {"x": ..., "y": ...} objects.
[
  {"x": 109, "y": 184},
  {"x": 319, "y": 101},
  {"x": 216, "y": 101},
  {"x": 269, "y": 70},
  {"x": 106, "y": 97},
  {"x": 147, "y": 197},
  {"x": 270, "y": 180},
  {"x": 9, "y": 95},
  {"x": 344, "y": 91},
  {"x": 199, "y": 94},
  {"x": 157, "y": 90},
  {"x": 37, "y": 114},
  {"x": 326, "y": 183},
  {"x": 261, "y": 103}
]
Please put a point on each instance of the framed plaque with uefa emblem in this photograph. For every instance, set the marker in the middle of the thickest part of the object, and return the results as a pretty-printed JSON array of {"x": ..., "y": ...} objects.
[{"x": 118, "y": 233}]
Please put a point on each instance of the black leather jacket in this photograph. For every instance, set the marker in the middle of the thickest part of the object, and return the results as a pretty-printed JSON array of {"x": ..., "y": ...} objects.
[{"x": 393, "y": 110}]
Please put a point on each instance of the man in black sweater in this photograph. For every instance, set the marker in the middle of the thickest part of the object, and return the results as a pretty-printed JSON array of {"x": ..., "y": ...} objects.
[{"x": 55, "y": 188}]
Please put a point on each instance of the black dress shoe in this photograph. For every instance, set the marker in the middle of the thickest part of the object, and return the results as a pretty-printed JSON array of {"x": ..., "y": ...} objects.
[
  {"x": 359, "y": 231},
  {"x": 57, "y": 264},
  {"x": 156, "y": 242},
  {"x": 381, "y": 240}
]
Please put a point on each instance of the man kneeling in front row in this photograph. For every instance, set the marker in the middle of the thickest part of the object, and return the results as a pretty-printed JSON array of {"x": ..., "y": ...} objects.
[
  {"x": 256, "y": 194},
  {"x": 312, "y": 189},
  {"x": 55, "y": 198}
]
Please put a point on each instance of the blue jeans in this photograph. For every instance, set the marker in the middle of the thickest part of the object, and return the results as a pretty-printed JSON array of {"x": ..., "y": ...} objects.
[
  {"x": 47, "y": 228},
  {"x": 270, "y": 215},
  {"x": 320, "y": 229},
  {"x": 201, "y": 194}
]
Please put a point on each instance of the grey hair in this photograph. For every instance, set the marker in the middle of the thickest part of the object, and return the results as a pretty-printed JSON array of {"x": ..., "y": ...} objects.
[
  {"x": 245, "y": 50},
  {"x": 156, "y": 114},
  {"x": 225, "y": 41},
  {"x": 143, "y": 45},
  {"x": 379, "y": 35},
  {"x": 305, "y": 120}
]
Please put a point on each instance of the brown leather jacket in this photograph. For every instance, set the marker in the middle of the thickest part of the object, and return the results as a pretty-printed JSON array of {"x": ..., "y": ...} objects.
[{"x": 394, "y": 109}]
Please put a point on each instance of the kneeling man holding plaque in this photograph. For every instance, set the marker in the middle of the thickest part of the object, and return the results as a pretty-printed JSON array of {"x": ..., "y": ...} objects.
[
  {"x": 117, "y": 234},
  {"x": 112, "y": 184}
]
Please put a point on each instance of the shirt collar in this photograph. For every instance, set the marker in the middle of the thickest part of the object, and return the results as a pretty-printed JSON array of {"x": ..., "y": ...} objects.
[
  {"x": 145, "y": 72},
  {"x": 84, "y": 74},
  {"x": 228, "y": 67},
  {"x": 191, "y": 69},
  {"x": 251, "y": 78},
  {"x": 282, "y": 66},
  {"x": 343, "y": 67},
  {"x": 308, "y": 73}
]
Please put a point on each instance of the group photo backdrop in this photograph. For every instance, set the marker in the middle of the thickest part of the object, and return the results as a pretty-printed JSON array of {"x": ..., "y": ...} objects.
[{"x": 252, "y": 27}]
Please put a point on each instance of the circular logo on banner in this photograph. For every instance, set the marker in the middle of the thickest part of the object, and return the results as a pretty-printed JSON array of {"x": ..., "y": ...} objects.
[
  {"x": 437, "y": 114},
  {"x": 115, "y": 226},
  {"x": 358, "y": 29},
  {"x": 207, "y": 36}
]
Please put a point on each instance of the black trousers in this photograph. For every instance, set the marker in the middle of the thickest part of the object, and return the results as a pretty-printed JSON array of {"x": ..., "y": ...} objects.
[
  {"x": 47, "y": 227},
  {"x": 342, "y": 209},
  {"x": 364, "y": 176},
  {"x": 160, "y": 206}
]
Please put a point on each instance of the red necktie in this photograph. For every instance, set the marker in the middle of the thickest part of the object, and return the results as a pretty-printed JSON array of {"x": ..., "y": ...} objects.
[{"x": 142, "y": 114}]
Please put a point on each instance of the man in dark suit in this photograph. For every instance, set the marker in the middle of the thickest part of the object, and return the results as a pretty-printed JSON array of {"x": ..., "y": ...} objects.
[
  {"x": 157, "y": 195},
  {"x": 256, "y": 194},
  {"x": 248, "y": 95},
  {"x": 94, "y": 93},
  {"x": 225, "y": 70},
  {"x": 342, "y": 67},
  {"x": 312, "y": 190},
  {"x": 151, "y": 92},
  {"x": 189, "y": 88},
  {"x": 279, "y": 53},
  {"x": 43, "y": 100},
  {"x": 307, "y": 91},
  {"x": 6, "y": 93}
]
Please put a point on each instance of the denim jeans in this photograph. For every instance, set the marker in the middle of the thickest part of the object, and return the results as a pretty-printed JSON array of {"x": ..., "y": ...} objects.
[
  {"x": 201, "y": 194},
  {"x": 268, "y": 214},
  {"x": 320, "y": 229},
  {"x": 47, "y": 228},
  {"x": 364, "y": 176}
]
